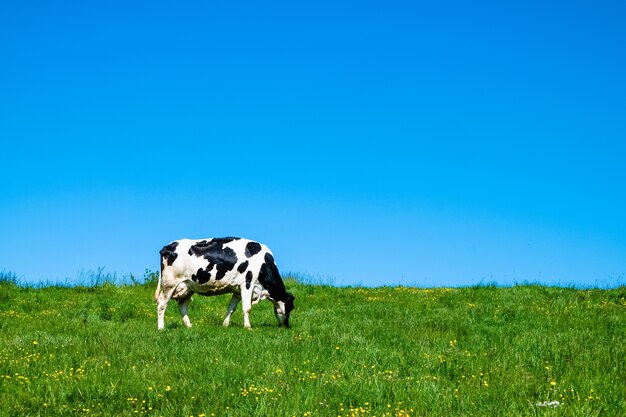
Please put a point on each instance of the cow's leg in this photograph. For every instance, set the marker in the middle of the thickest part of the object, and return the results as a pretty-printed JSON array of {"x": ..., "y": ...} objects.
[
  {"x": 178, "y": 292},
  {"x": 231, "y": 308},
  {"x": 246, "y": 305},
  {"x": 183, "y": 308},
  {"x": 183, "y": 294},
  {"x": 164, "y": 298}
]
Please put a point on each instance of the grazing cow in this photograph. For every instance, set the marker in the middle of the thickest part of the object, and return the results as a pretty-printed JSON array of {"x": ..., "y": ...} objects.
[{"x": 219, "y": 266}]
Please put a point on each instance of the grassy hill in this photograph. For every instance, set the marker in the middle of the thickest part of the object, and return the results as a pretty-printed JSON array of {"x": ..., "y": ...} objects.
[{"x": 392, "y": 351}]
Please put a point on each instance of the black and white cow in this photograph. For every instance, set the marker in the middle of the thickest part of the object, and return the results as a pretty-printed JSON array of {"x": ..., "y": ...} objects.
[{"x": 219, "y": 266}]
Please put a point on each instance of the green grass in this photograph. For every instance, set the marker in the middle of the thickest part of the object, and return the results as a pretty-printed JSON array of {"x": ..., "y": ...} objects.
[{"x": 392, "y": 351}]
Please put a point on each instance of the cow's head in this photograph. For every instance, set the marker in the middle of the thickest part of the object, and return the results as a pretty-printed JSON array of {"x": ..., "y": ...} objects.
[{"x": 282, "y": 309}]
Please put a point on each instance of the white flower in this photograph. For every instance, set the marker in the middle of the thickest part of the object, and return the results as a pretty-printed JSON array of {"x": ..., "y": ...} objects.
[{"x": 548, "y": 404}]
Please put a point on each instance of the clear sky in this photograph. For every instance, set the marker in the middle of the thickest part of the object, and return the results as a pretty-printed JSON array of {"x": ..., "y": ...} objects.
[{"x": 421, "y": 143}]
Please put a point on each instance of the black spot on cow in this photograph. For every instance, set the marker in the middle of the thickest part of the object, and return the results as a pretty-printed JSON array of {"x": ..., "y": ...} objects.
[
  {"x": 242, "y": 268},
  {"x": 248, "y": 279},
  {"x": 202, "y": 276},
  {"x": 225, "y": 262},
  {"x": 252, "y": 248},
  {"x": 224, "y": 240},
  {"x": 214, "y": 251},
  {"x": 169, "y": 254},
  {"x": 270, "y": 279},
  {"x": 200, "y": 248}
]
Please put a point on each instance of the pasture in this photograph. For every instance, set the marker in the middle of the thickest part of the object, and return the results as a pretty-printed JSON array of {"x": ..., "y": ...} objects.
[{"x": 390, "y": 351}]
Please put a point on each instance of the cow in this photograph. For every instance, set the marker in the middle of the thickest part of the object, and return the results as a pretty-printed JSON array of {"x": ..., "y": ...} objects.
[{"x": 219, "y": 266}]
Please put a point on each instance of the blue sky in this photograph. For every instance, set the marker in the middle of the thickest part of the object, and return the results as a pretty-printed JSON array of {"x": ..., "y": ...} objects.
[{"x": 422, "y": 143}]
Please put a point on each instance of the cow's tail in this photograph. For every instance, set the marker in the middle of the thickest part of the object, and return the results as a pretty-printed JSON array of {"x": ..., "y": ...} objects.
[
  {"x": 168, "y": 256},
  {"x": 158, "y": 288}
]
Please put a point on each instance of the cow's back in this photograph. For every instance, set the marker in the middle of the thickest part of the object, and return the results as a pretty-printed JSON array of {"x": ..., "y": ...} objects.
[{"x": 213, "y": 260}]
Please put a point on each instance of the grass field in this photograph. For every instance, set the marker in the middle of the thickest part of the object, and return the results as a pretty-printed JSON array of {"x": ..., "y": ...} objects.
[{"x": 392, "y": 351}]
